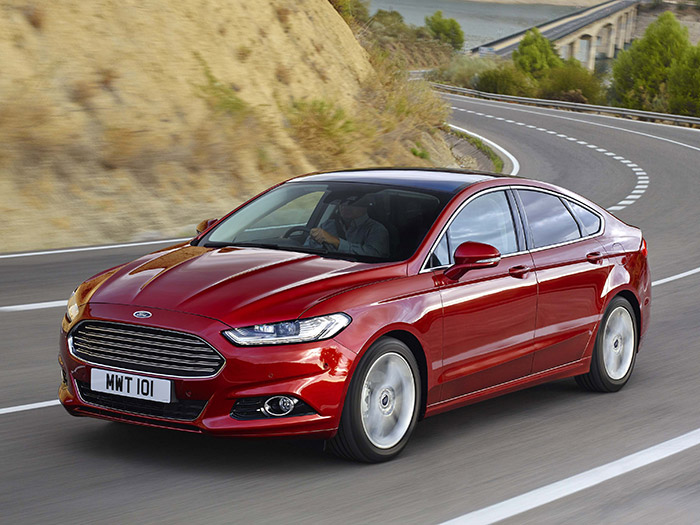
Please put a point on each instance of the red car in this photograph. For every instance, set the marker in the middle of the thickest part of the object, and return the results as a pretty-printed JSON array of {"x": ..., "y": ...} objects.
[{"x": 349, "y": 305}]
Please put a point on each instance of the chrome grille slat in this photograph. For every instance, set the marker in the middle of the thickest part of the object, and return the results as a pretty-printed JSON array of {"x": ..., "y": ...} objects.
[
  {"x": 149, "y": 350},
  {"x": 140, "y": 348},
  {"x": 154, "y": 360},
  {"x": 125, "y": 360},
  {"x": 105, "y": 337},
  {"x": 190, "y": 339}
]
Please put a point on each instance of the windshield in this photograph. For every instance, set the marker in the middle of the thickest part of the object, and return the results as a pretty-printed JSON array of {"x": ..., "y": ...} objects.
[{"x": 354, "y": 221}]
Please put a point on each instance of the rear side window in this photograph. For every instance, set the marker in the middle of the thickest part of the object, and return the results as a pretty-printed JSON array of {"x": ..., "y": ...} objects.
[
  {"x": 549, "y": 220},
  {"x": 590, "y": 221}
]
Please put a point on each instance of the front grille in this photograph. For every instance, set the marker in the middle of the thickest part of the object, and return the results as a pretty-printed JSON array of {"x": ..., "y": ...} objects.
[
  {"x": 145, "y": 349},
  {"x": 184, "y": 410}
]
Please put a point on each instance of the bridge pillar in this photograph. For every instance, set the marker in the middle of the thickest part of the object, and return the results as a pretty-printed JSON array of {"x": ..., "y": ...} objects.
[
  {"x": 632, "y": 24},
  {"x": 611, "y": 35},
  {"x": 592, "y": 51}
]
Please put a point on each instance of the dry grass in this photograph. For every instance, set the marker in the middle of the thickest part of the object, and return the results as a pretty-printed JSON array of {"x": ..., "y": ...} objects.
[
  {"x": 243, "y": 52},
  {"x": 283, "y": 74},
  {"x": 35, "y": 16}
]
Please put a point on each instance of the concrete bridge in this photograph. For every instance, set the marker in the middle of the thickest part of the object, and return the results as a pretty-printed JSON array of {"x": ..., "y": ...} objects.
[{"x": 600, "y": 30}]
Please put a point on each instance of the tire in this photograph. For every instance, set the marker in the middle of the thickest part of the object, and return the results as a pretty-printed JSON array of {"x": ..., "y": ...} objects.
[
  {"x": 382, "y": 405},
  {"x": 615, "y": 349}
]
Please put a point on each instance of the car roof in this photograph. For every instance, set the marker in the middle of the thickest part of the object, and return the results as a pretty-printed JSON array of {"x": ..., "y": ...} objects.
[{"x": 452, "y": 180}]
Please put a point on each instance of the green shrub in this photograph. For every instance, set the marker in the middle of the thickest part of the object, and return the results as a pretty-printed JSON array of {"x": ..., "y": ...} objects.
[
  {"x": 446, "y": 29},
  {"x": 684, "y": 84},
  {"x": 354, "y": 12},
  {"x": 506, "y": 79},
  {"x": 463, "y": 70},
  {"x": 573, "y": 83},
  {"x": 536, "y": 54},
  {"x": 321, "y": 125},
  {"x": 219, "y": 96}
]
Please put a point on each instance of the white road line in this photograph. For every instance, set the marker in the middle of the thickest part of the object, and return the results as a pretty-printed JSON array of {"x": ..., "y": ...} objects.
[
  {"x": 32, "y": 406},
  {"x": 566, "y": 487},
  {"x": 554, "y": 114},
  {"x": 33, "y": 306},
  {"x": 93, "y": 248},
  {"x": 62, "y": 303},
  {"x": 513, "y": 160},
  {"x": 620, "y": 205}
]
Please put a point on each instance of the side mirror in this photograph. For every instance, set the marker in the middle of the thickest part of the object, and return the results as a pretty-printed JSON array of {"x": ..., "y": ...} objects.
[
  {"x": 202, "y": 226},
  {"x": 470, "y": 256}
]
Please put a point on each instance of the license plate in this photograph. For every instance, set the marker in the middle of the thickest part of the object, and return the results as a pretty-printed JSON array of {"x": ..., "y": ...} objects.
[{"x": 130, "y": 385}]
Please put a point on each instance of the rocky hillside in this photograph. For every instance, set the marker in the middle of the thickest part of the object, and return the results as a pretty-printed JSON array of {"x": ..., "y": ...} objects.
[{"x": 123, "y": 119}]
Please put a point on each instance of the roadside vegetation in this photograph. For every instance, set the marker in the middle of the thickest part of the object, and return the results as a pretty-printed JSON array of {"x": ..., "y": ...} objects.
[
  {"x": 536, "y": 70},
  {"x": 659, "y": 72},
  {"x": 416, "y": 47}
]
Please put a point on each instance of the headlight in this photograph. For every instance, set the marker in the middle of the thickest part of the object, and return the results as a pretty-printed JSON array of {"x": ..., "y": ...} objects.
[
  {"x": 299, "y": 331},
  {"x": 72, "y": 307}
]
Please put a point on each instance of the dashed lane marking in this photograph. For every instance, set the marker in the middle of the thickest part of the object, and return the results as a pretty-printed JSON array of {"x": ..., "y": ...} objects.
[{"x": 639, "y": 172}]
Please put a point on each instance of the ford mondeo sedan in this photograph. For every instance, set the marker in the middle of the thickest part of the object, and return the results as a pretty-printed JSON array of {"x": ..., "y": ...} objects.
[{"x": 349, "y": 305}]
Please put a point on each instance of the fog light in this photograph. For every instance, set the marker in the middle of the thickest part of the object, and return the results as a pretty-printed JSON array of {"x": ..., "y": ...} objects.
[
  {"x": 278, "y": 406},
  {"x": 248, "y": 408}
]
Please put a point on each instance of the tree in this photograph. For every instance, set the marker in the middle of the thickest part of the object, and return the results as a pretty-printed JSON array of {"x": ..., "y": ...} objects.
[
  {"x": 445, "y": 29},
  {"x": 684, "y": 84},
  {"x": 572, "y": 82},
  {"x": 536, "y": 54},
  {"x": 640, "y": 74}
]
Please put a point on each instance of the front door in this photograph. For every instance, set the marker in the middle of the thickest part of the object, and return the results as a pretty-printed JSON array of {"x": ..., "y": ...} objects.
[{"x": 489, "y": 313}]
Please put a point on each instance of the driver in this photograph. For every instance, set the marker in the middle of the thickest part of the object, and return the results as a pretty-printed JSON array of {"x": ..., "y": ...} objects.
[{"x": 353, "y": 231}]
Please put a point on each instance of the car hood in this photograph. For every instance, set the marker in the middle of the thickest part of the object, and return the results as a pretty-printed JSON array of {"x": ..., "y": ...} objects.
[{"x": 238, "y": 286}]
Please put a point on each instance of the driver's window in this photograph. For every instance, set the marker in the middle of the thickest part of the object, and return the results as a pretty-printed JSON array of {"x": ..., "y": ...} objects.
[{"x": 487, "y": 219}]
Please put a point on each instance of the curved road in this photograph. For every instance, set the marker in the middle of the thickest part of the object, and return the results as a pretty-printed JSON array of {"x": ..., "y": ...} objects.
[{"x": 58, "y": 468}]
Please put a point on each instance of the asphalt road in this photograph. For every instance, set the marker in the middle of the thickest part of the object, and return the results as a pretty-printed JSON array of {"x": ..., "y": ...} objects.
[{"x": 60, "y": 469}]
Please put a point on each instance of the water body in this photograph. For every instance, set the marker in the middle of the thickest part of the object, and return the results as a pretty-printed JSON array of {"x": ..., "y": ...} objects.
[{"x": 481, "y": 22}]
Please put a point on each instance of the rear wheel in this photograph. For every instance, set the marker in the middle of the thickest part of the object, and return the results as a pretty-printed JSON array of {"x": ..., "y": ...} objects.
[
  {"x": 615, "y": 349},
  {"x": 382, "y": 404}
]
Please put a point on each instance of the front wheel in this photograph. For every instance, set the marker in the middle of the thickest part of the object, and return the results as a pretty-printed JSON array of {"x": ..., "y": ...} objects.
[
  {"x": 382, "y": 404},
  {"x": 615, "y": 349}
]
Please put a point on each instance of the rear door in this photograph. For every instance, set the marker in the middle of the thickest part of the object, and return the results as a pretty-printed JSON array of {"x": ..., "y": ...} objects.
[{"x": 572, "y": 270}]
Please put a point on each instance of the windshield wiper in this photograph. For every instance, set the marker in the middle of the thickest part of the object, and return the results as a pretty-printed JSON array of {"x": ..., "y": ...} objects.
[{"x": 301, "y": 249}]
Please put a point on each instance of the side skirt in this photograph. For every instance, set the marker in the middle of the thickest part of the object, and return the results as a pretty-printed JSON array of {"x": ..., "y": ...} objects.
[{"x": 581, "y": 366}]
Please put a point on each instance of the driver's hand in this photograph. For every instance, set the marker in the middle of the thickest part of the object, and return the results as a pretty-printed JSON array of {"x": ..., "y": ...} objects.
[{"x": 321, "y": 236}]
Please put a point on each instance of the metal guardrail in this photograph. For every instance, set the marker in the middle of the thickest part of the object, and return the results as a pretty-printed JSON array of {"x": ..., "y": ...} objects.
[{"x": 585, "y": 108}]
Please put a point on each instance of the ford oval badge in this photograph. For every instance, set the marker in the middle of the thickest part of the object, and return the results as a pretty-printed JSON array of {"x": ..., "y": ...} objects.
[{"x": 142, "y": 314}]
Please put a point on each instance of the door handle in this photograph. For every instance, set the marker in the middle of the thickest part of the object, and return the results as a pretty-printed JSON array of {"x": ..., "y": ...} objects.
[
  {"x": 519, "y": 271},
  {"x": 594, "y": 257}
]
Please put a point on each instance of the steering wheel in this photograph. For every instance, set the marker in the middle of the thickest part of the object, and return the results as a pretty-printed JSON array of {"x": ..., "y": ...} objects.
[
  {"x": 327, "y": 247},
  {"x": 295, "y": 229}
]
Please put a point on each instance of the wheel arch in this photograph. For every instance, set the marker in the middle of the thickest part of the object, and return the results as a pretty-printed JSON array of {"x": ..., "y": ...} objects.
[
  {"x": 413, "y": 344},
  {"x": 632, "y": 299}
]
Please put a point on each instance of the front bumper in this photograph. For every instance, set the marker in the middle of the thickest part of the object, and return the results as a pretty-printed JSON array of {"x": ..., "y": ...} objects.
[{"x": 314, "y": 373}]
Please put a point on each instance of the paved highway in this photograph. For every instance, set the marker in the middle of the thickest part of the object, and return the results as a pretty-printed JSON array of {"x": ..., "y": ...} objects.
[{"x": 60, "y": 469}]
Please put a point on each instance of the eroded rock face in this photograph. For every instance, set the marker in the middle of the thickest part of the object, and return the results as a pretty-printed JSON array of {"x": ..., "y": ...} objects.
[{"x": 110, "y": 122}]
